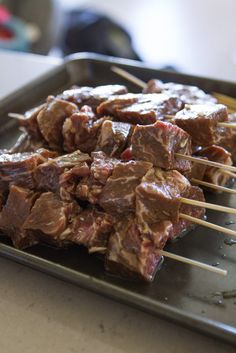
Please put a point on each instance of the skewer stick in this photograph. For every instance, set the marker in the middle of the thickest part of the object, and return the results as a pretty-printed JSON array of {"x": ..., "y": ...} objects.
[
  {"x": 128, "y": 76},
  {"x": 219, "y": 271},
  {"x": 233, "y": 175},
  {"x": 16, "y": 116},
  {"x": 227, "y": 100},
  {"x": 206, "y": 162},
  {"x": 201, "y": 222},
  {"x": 227, "y": 125},
  {"x": 211, "y": 206},
  {"x": 213, "y": 186}
]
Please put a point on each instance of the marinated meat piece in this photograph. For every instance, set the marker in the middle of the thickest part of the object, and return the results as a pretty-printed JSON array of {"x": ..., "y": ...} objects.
[
  {"x": 118, "y": 195},
  {"x": 92, "y": 96},
  {"x": 80, "y": 130},
  {"x": 130, "y": 254},
  {"x": 140, "y": 108},
  {"x": 158, "y": 143},
  {"x": 50, "y": 217},
  {"x": 220, "y": 155},
  {"x": 158, "y": 195},
  {"x": 90, "y": 187},
  {"x": 30, "y": 124},
  {"x": 28, "y": 143},
  {"x": 229, "y": 142},
  {"x": 201, "y": 122},
  {"x": 91, "y": 228},
  {"x": 113, "y": 137},
  {"x": 127, "y": 155},
  {"x": 197, "y": 170},
  {"x": 51, "y": 119},
  {"x": 14, "y": 214},
  {"x": 47, "y": 175},
  {"x": 18, "y": 168},
  {"x": 187, "y": 94},
  {"x": 182, "y": 226}
]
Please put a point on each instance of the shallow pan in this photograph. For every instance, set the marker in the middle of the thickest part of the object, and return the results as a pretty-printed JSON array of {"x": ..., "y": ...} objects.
[{"x": 180, "y": 293}]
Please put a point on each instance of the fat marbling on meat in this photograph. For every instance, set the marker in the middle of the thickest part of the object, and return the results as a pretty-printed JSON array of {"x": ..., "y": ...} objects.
[
  {"x": 140, "y": 108},
  {"x": 158, "y": 143}
]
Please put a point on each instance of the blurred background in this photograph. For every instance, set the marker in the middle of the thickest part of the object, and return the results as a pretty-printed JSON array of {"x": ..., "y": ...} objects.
[{"x": 197, "y": 37}]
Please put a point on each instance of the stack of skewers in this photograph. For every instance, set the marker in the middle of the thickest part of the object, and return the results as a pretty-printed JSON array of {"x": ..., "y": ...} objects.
[{"x": 118, "y": 173}]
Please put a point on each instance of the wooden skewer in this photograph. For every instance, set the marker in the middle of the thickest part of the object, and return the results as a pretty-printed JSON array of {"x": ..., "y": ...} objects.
[
  {"x": 227, "y": 100},
  {"x": 233, "y": 175},
  {"x": 213, "y": 186},
  {"x": 219, "y": 271},
  {"x": 128, "y": 76},
  {"x": 201, "y": 222},
  {"x": 206, "y": 162},
  {"x": 211, "y": 206},
  {"x": 228, "y": 125},
  {"x": 16, "y": 116}
]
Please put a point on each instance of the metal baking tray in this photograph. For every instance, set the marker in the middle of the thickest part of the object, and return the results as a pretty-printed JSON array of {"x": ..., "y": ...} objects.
[{"x": 180, "y": 293}]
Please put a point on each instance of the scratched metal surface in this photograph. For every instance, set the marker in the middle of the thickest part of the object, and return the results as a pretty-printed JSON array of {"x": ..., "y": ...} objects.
[{"x": 180, "y": 293}]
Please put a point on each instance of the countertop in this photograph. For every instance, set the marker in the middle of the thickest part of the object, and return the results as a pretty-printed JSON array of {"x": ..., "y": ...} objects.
[{"x": 39, "y": 313}]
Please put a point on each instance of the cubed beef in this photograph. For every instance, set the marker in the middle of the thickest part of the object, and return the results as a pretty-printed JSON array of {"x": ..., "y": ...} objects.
[
  {"x": 229, "y": 142},
  {"x": 90, "y": 188},
  {"x": 50, "y": 218},
  {"x": 113, "y": 137},
  {"x": 130, "y": 254},
  {"x": 158, "y": 143},
  {"x": 51, "y": 119},
  {"x": 91, "y": 228},
  {"x": 91, "y": 96},
  {"x": 158, "y": 195},
  {"x": 118, "y": 195},
  {"x": 182, "y": 226},
  {"x": 197, "y": 170},
  {"x": 47, "y": 175},
  {"x": 80, "y": 130},
  {"x": 216, "y": 154},
  {"x": 28, "y": 143},
  {"x": 30, "y": 124},
  {"x": 18, "y": 168},
  {"x": 201, "y": 122},
  {"x": 187, "y": 94},
  {"x": 14, "y": 213},
  {"x": 140, "y": 108}
]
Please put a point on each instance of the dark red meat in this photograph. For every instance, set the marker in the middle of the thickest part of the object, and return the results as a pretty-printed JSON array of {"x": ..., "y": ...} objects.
[
  {"x": 158, "y": 143},
  {"x": 47, "y": 175},
  {"x": 90, "y": 187},
  {"x": 130, "y": 254},
  {"x": 118, "y": 195},
  {"x": 50, "y": 218},
  {"x": 140, "y": 108},
  {"x": 14, "y": 214},
  {"x": 158, "y": 195},
  {"x": 113, "y": 137},
  {"x": 220, "y": 155},
  {"x": 187, "y": 94},
  {"x": 92, "y": 228},
  {"x": 201, "y": 122},
  {"x": 18, "y": 168},
  {"x": 51, "y": 119},
  {"x": 91, "y": 96},
  {"x": 80, "y": 130}
]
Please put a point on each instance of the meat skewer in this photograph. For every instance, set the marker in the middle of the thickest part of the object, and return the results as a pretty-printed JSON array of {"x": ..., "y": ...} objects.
[
  {"x": 66, "y": 183},
  {"x": 223, "y": 99}
]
